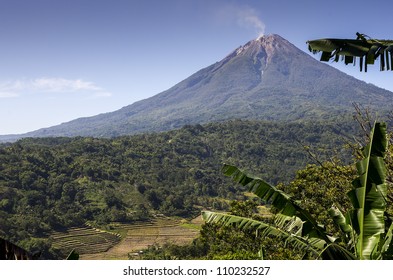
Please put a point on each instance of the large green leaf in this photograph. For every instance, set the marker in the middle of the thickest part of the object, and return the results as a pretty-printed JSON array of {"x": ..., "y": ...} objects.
[
  {"x": 369, "y": 196},
  {"x": 387, "y": 244},
  {"x": 368, "y": 50},
  {"x": 284, "y": 203},
  {"x": 336, "y": 252},
  {"x": 310, "y": 244},
  {"x": 344, "y": 223}
]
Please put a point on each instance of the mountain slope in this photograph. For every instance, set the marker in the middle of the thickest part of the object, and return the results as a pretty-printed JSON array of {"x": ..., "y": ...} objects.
[{"x": 267, "y": 78}]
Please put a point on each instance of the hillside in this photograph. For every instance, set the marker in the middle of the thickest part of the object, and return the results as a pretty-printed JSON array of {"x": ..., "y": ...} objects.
[
  {"x": 51, "y": 184},
  {"x": 266, "y": 79}
]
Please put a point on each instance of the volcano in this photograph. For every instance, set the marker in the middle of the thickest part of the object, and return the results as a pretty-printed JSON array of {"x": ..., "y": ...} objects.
[{"x": 266, "y": 79}]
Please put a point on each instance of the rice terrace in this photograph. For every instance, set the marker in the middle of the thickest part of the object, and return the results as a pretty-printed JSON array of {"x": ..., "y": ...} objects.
[{"x": 126, "y": 241}]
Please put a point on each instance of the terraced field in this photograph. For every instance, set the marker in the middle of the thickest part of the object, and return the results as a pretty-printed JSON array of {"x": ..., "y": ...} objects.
[
  {"x": 84, "y": 240},
  {"x": 140, "y": 235}
]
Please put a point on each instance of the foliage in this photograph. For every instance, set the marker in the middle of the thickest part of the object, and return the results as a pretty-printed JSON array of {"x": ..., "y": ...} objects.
[
  {"x": 365, "y": 235},
  {"x": 55, "y": 183},
  {"x": 169, "y": 251},
  {"x": 225, "y": 242},
  {"x": 292, "y": 223},
  {"x": 10, "y": 251},
  {"x": 228, "y": 242},
  {"x": 73, "y": 255},
  {"x": 315, "y": 187},
  {"x": 367, "y": 218},
  {"x": 368, "y": 50}
]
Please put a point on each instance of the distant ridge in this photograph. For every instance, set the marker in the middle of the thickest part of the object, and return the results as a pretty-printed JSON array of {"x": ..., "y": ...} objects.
[{"x": 268, "y": 78}]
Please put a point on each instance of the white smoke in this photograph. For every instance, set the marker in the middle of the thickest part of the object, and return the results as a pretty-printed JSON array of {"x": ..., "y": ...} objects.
[
  {"x": 243, "y": 16},
  {"x": 247, "y": 17}
]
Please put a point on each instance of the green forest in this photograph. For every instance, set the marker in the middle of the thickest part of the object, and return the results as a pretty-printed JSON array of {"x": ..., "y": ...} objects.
[
  {"x": 330, "y": 211},
  {"x": 51, "y": 184}
]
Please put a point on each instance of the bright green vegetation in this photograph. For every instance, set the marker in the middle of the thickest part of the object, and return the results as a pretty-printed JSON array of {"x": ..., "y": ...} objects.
[{"x": 56, "y": 183}]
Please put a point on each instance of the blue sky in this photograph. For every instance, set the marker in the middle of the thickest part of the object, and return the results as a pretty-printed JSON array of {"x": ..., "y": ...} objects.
[{"x": 64, "y": 59}]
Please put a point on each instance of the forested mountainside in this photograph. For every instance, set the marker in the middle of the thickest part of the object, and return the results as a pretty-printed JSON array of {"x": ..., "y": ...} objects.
[{"x": 55, "y": 183}]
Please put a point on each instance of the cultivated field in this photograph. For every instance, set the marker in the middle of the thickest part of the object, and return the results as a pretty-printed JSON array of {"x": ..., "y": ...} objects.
[
  {"x": 84, "y": 240},
  {"x": 138, "y": 236}
]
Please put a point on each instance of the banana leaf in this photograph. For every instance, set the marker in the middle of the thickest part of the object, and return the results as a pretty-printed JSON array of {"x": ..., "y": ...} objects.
[
  {"x": 364, "y": 226},
  {"x": 368, "y": 196},
  {"x": 344, "y": 223},
  {"x": 387, "y": 244},
  {"x": 336, "y": 252},
  {"x": 284, "y": 203},
  {"x": 10, "y": 251},
  {"x": 310, "y": 244},
  {"x": 367, "y": 50}
]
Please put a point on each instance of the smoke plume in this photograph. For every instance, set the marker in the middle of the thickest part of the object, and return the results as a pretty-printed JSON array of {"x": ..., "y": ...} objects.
[
  {"x": 247, "y": 17},
  {"x": 243, "y": 16}
]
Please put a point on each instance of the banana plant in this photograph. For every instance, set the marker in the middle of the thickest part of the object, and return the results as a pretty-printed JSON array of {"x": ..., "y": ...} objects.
[
  {"x": 10, "y": 251},
  {"x": 368, "y": 198},
  {"x": 366, "y": 49},
  {"x": 292, "y": 223},
  {"x": 365, "y": 232}
]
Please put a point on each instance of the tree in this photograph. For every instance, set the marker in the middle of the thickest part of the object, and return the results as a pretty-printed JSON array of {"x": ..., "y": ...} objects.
[
  {"x": 366, "y": 229},
  {"x": 363, "y": 47}
]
